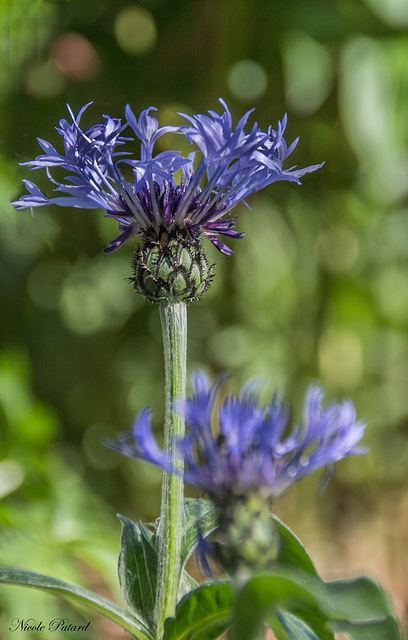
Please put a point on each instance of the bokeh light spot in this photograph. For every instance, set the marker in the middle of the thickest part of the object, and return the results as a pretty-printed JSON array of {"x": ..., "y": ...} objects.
[
  {"x": 247, "y": 80},
  {"x": 337, "y": 249},
  {"x": 135, "y": 30},
  {"x": 97, "y": 455},
  {"x": 231, "y": 347},
  {"x": 11, "y": 477},
  {"x": 373, "y": 76},
  {"x": 341, "y": 358},
  {"x": 76, "y": 57},
  {"x": 44, "y": 284},
  {"x": 45, "y": 80},
  {"x": 168, "y": 115},
  {"x": 91, "y": 299},
  {"x": 393, "y": 12},
  {"x": 391, "y": 292},
  {"x": 308, "y": 73}
]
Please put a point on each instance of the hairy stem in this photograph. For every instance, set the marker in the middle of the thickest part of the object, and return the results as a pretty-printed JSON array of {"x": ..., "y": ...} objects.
[{"x": 173, "y": 317}]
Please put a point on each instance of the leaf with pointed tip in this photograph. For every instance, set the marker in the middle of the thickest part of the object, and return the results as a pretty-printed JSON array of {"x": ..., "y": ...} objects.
[
  {"x": 264, "y": 595},
  {"x": 358, "y": 606},
  {"x": 200, "y": 518},
  {"x": 187, "y": 584},
  {"x": 355, "y": 600},
  {"x": 288, "y": 627},
  {"x": 361, "y": 608},
  {"x": 203, "y": 614},
  {"x": 131, "y": 623},
  {"x": 292, "y": 552},
  {"x": 137, "y": 568}
]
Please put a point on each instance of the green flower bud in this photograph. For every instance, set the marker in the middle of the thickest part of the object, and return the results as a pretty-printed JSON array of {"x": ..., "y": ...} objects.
[
  {"x": 250, "y": 538},
  {"x": 171, "y": 266}
]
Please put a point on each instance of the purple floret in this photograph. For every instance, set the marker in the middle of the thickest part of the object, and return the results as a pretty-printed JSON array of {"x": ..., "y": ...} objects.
[
  {"x": 233, "y": 165},
  {"x": 252, "y": 446}
]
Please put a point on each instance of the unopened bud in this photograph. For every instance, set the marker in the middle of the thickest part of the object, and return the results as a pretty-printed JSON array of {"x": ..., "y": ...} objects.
[
  {"x": 250, "y": 536},
  {"x": 171, "y": 266}
]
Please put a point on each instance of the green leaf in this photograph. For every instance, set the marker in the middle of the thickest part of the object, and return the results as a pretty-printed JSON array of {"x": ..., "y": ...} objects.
[
  {"x": 357, "y": 606},
  {"x": 291, "y": 628},
  {"x": 200, "y": 517},
  {"x": 293, "y": 553},
  {"x": 136, "y": 627},
  {"x": 262, "y": 596},
  {"x": 137, "y": 568},
  {"x": 376, "y": 630},
  {"x": 362, "y": 609},
  {"x": 203, "y": 614},
  {"x": 356, "y": 600},
  {"x": 316, "y": 620},
  {"x": 187, "y": 584}
]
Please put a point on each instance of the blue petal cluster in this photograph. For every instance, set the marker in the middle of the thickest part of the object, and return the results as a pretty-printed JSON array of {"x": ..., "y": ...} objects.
[
  {"x": 250, "y": 446},
  {"x": 233, "y": 165}
]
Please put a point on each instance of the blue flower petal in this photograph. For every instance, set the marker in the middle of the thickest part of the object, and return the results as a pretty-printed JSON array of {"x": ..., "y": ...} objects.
[
  {"x": 233, "y": 165},
  {"x": 248, "y": 447}
]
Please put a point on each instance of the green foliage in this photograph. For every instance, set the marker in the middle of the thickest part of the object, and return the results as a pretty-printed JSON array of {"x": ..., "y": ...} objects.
[
  {"x": 262, "y": 596},
  {"x": 137, "y": 568},
  {"x": 24, "y": 27},
  {"x": 373, "y": 630},
  {"x": 292, "y": 552},
  {"x": 356, "y": 606},
  {"x": 317, "y": 289},
  {"x": 79, "y": 596},
  {"x": 288, "y": 627},
  {"x": 200, "y": 518},
  {"x": 50, "y": 520},
  {"x": 292, "y": 599},
  {"x": 203, "y": 614}
]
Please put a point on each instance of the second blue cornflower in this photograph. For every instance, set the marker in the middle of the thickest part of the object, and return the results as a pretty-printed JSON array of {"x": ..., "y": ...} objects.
[{"x": 243, "y": 455}]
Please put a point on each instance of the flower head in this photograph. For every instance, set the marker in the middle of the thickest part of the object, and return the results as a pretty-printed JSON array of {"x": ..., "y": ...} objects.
[
  {"x": 169, "y": 215},
  {"x": 242, "y": 455},
  {"x": 233, "y": 165},
  {"x": 252, "y": 447}
]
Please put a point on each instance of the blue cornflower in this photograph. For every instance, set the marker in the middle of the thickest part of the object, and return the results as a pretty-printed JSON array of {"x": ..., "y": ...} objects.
[
  {"x": 233, "y": 165},
  {"x": 142, "y": 194},
  {"x": 250, "y": 446},
  {"x": 243, "y": 455}
]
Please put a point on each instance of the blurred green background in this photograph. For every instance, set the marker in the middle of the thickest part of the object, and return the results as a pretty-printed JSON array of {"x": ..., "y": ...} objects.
[{"x": 317, "y": 291}]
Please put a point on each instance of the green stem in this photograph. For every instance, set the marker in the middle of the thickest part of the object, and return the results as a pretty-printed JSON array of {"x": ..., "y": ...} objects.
[{"x": 173, "y": 316}]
